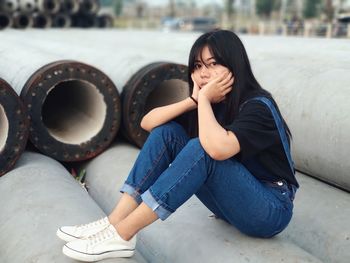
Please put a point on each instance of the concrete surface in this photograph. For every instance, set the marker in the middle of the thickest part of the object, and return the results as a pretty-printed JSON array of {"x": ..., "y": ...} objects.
[
  {"x": 36, "y": 198},
  {"x": 190, "y": 234}
]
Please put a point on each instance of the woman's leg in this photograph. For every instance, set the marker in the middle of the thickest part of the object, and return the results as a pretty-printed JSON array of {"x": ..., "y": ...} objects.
[
  {"x": 160, "y": 149},
  {"x": 239, "y": 197},
  {"x": 255, "y": 208}
]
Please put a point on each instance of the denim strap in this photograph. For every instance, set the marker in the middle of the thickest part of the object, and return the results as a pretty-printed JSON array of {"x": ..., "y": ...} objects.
[{"x": 280, "y": 127}]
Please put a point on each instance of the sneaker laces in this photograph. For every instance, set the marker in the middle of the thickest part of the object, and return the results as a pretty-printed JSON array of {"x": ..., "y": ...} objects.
[
  {"x": 95, "y": 223},
  {"x": 104, "y": 234}
]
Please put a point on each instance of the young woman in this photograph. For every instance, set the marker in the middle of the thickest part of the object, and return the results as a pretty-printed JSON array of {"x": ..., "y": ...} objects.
[{"x": 227, "y": 143}]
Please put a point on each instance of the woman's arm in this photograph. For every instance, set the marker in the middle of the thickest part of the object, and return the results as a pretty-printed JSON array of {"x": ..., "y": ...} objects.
[
  {"x": 216, "y": 141},
  {"x": 161, "y": 115}
]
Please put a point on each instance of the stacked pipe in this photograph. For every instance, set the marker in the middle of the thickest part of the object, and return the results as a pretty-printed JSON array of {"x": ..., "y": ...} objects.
[
  {"x": 52, "y": 13},
  {"x": 143, "y": 82}
]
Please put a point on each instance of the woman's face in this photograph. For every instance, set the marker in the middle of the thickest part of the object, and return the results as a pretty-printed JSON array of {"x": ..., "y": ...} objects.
[{"x": 207, "y": 68}]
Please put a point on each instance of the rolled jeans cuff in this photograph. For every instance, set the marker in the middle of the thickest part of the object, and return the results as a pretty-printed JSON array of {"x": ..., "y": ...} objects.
[
  {"x": 155, "y": 205},
  {"x": 132, "y": 192}
]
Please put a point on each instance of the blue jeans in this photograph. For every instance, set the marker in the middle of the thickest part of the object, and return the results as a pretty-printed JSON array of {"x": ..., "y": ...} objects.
[{"x": 171, "y": 168}]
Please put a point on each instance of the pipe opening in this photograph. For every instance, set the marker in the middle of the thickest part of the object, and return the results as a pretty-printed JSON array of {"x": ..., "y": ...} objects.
[
  {"x": 50, "y": 5},
  {"x": 4, "y": 124},
  {"x": 40, "y": 21},
  {"x": 4, "y": 21},
  {"x": 74, "y": 111},
  {"x": 23, "y": 21},
  {"x": 169, "y": 91},
  {"x": 28, "y": 6},
  {"x": 60, "y": 21}
]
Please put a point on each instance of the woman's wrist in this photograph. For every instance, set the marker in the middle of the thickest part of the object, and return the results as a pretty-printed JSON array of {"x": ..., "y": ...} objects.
[{"x": 194, "y": 100}]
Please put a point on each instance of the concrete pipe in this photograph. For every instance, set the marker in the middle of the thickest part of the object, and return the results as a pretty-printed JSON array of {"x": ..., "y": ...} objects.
[
  {"x": 9, "y": 6},
  {"x": 41, "y": 20},
  {"x": 189, "y": 232},
  {"x": 154, "y": 85},
  {"x": 36, "y": 198},
  {"x": 74, "y": 108},
  {"x": 61, "y": 20},
  {"x": 69, "y": 6},
  {"x": 83, "y": 20},
  {"x": 22, "y": 20},
  {"x": 49, "y": 6},
  {"x": 27, "y": 6},
  {"x": 5, "y": 20},
  {"x": 14, "y": 123},
  {"x": 89, "y": 7},
  {"x": 103, "y": 21}
]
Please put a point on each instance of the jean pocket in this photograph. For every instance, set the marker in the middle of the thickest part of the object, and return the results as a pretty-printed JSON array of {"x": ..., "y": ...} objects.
[{"x": 281, "y": 190}]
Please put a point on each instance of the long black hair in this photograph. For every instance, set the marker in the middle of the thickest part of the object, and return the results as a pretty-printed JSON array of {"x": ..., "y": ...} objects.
[{"x": 228, "y": 51}]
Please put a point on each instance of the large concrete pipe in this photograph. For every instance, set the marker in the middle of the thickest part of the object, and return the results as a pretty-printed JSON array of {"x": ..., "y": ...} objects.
[
  {"x": 88, "y": 7},
  {"x": 22, "y": 20},
  {"x": 187, "y": 234},
  {"x": 104, "y": 20},
  {"x": 9, "y": 6},
  {"x": 83, "y": 20},
  {"x": 69, "y": 6},
  {"x": 41, "y": 20},
  {"x": 74, "y": 108},
  {"x": 154, "y": 85},
  {"x": 61, "y": 20},
  {"x": 49, "y": 6},
  {"x": 27, "y": 6},
  {"x": 5, "y": 20},
  {"x": 14, "y": 127},
  {"x": 145, "y": 84},
  {"x": 36, "y": 198}
]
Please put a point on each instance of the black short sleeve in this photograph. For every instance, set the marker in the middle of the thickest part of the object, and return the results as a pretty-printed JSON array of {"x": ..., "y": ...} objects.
[{"x": 254, "y": 128}]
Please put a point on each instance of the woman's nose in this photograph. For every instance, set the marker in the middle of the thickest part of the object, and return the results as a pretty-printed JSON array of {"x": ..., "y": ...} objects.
[{"x": 204, "y": 72}]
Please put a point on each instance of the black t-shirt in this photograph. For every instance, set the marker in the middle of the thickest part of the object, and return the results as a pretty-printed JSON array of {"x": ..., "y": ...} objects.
[{"x": 262, "y": 152}]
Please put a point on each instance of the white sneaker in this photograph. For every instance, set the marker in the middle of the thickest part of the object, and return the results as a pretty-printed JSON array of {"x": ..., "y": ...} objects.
[
  {"x": 70, "y": 233},
  {"x": 104, "y": 244}
]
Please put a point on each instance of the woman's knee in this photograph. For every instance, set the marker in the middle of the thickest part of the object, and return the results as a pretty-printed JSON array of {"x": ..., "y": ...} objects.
[
  {"x": 169, "y": 128},
  {"x": 168, "y": 133}
]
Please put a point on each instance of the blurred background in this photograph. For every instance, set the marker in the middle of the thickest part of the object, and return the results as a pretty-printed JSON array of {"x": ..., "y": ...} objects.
[{"x": 323, "y": 18}]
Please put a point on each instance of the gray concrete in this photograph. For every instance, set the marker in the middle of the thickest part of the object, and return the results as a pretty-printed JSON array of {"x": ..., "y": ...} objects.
[
  {"x": 191, "y": 234},
  {"x": 37, "y": 197}
]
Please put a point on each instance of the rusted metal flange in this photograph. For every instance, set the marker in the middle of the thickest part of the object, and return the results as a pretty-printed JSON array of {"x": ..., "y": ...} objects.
[
  {"x": 52, "y": 77},
  {"x": 137, "y": 91},
  {"x": 16, "y": 120}
]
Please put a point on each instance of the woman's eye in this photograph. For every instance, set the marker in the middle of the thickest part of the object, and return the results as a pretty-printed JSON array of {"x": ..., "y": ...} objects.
[
  {"x": 212, "y": 64},
  {"x": 197, "y": 66}
]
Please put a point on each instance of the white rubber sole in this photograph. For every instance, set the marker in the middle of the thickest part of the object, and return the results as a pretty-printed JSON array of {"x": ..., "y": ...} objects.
[
  {"x": 64, "y": 236},
  {"x": 91, "y": 258}
]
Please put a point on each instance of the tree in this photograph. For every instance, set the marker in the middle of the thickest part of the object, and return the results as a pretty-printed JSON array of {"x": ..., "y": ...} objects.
[
  {"x": 118, "y": 7},
  {"x": 311, "y": 8},
  {"x": 229, "y": 10},
  {"x": 329, "y": 10},
  {"x": 265, "y": 7}
]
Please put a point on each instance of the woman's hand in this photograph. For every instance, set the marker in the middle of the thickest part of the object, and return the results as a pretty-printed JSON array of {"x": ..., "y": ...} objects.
[
  {"x": 195, "y": 89},
  {"x": 217, "y": 88}
]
